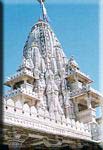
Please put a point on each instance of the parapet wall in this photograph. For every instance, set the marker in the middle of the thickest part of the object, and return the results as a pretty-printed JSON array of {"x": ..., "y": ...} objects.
[{"x": 40, "y": 120}]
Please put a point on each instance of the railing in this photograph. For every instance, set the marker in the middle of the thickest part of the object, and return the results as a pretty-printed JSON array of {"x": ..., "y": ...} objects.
[
  {"x": 18, "y": 91},
  {"x": 42, "y": 121},
  {"x": 79, "y": 92},
  {"x": 83, "y": 90},
  {"x": 18, "y": 74},
  {"x": 27, "y": 86}
]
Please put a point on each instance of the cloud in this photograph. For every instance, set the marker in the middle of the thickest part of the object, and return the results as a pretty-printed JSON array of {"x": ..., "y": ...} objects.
[{"x": 50, "y": 1}]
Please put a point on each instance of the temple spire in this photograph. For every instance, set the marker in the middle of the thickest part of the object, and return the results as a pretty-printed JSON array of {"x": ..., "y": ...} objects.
[{"x": 44, "y": 11}]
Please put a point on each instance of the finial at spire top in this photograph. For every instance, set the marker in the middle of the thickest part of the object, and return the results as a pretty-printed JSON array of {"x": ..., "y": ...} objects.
[
  {"x": 44, "y": 12},
  {"x": 40, "y": 1}
]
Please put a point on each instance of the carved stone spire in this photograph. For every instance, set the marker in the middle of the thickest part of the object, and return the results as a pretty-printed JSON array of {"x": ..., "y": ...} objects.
[{"x": 43, "y": 50}]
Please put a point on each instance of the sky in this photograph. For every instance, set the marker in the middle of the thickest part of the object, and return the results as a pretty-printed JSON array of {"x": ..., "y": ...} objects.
[
  {"x": 50, "y": 1},
  {"x": 75, "y": 24}
]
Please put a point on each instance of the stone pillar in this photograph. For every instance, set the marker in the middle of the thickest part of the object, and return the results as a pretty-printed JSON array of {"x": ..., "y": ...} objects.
[
  {"x": 76, "y": 107},
  {"x": 25, "y": 81},
  {"x": 88, "y": 98}
]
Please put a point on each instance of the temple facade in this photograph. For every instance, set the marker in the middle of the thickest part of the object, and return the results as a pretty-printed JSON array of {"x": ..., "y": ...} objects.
[{"x": 51, "y": 103}]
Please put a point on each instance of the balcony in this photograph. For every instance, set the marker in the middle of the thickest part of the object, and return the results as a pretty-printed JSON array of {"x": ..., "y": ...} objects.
[
  {"x": 88, "y": 115},
  {"x": 25, "y": 91},
  {"x": 80, "y": 76},
  {"x": 19, "y": 76}
]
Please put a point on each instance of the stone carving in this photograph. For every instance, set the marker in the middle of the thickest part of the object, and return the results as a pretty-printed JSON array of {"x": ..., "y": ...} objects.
[
  {"x": 43, "y": 66},
  {"x": 59, "y": 59},
  {"x": 57, "y": 80},
  {"x": 40, "y": 89},
  {"x": 36, "y": 57},
  {"x": 52, "y": 94},
  {"x": 54, "y": 65}
]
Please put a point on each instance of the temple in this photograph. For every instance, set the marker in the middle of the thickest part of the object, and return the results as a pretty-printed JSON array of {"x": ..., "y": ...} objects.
[{"x": 51, "y": 104}]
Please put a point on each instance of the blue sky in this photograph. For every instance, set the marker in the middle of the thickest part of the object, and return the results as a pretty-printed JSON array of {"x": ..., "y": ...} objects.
[
  {"x": 75, "y": 24},
  {"x": 50, "y": 1}
]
